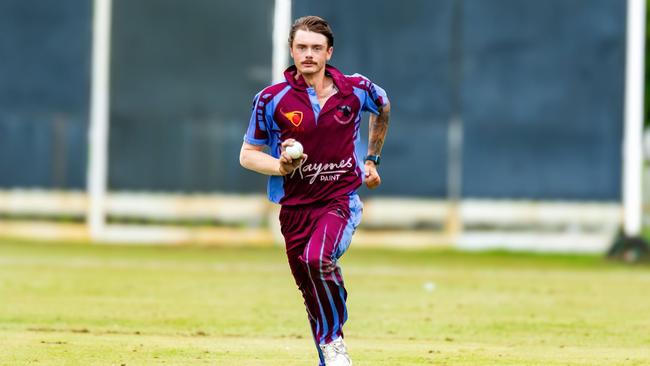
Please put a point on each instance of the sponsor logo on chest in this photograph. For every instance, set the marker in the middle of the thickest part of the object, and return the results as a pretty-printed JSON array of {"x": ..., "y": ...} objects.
[{"x": 324, "y": 172}]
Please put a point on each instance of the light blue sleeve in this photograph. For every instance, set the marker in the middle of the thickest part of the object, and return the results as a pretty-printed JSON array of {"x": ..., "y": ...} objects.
[{"x": 257, "y": 132}]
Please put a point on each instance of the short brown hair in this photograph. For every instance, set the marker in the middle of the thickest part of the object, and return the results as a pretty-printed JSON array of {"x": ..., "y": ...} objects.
[{"x": 314, "y": 24}]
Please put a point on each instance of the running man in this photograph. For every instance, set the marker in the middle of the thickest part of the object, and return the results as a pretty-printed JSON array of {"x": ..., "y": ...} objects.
[{"x": 321, "y": 108}]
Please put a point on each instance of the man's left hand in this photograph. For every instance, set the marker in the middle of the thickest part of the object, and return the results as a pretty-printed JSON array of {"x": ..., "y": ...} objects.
[{"x": 373, "y": 180}]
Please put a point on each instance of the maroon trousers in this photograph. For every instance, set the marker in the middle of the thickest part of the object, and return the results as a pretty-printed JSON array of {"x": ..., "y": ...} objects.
[{"x": 316, "y": 236}]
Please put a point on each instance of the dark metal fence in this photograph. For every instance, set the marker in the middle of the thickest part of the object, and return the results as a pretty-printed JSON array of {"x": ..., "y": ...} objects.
[{"x": 540, "y": 92}]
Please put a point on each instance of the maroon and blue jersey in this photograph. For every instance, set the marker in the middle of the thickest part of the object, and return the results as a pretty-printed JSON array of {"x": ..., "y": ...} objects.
[{"x": 329, "y": 135}]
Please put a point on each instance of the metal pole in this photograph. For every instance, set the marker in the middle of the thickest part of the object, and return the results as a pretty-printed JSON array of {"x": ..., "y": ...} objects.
[
  {"x": 99, "y": 119},
  {"x": 454, "y": 225},
  {"x": 281, "y": 27},
  {"x": 634, "y": 92}
]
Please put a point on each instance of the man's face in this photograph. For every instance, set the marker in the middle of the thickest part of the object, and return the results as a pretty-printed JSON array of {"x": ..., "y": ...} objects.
[{"x": 310, "y": 52}]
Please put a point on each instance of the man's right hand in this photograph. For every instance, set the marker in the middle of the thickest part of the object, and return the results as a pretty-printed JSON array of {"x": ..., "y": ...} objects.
[{"x": 287, "y": 164}]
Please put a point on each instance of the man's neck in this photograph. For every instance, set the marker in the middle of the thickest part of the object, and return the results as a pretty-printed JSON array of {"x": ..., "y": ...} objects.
[{"x": 317, "y": 81}]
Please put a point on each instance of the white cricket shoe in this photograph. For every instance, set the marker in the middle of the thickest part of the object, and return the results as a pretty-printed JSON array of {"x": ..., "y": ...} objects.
[{"x": 336, "y": 354}]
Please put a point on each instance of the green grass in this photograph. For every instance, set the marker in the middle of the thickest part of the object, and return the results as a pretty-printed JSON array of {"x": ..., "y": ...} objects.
[{"x": 115, "y": 305}]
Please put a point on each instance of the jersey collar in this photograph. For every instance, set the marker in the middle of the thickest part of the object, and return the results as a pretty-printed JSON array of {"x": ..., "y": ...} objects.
[{"x": 300, "y": 84}]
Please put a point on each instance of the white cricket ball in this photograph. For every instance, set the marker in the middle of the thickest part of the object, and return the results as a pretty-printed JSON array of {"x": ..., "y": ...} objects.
[
  {"x": 429, "y": 286},
  {"x": 295, "y": 150}
]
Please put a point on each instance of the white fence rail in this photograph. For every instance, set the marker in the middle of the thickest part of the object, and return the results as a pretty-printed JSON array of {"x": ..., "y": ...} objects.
[{"x": 245, "y": 219}]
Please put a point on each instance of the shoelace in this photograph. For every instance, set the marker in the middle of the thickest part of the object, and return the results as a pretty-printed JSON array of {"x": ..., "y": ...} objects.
[
  {"x": 334, "y": 349},
  {"x": 340, "y": 347}
]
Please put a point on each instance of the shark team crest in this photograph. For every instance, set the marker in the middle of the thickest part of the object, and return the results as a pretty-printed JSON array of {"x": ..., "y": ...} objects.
[{"x": 343, "y": 114}]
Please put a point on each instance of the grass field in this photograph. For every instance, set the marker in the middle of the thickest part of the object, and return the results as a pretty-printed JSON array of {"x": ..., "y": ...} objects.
[{"x": 114, "y": 305}]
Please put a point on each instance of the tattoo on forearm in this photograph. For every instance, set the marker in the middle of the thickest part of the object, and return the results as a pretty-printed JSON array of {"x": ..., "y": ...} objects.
[{"x": 377, "y": 131}]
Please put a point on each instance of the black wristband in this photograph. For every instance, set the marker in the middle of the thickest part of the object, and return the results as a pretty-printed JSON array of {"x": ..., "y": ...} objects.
[{"x": 374, "y": 158}]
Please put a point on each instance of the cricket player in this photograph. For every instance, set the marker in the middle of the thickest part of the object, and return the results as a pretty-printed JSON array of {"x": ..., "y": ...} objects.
[{"x": 321, "y": 108}]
